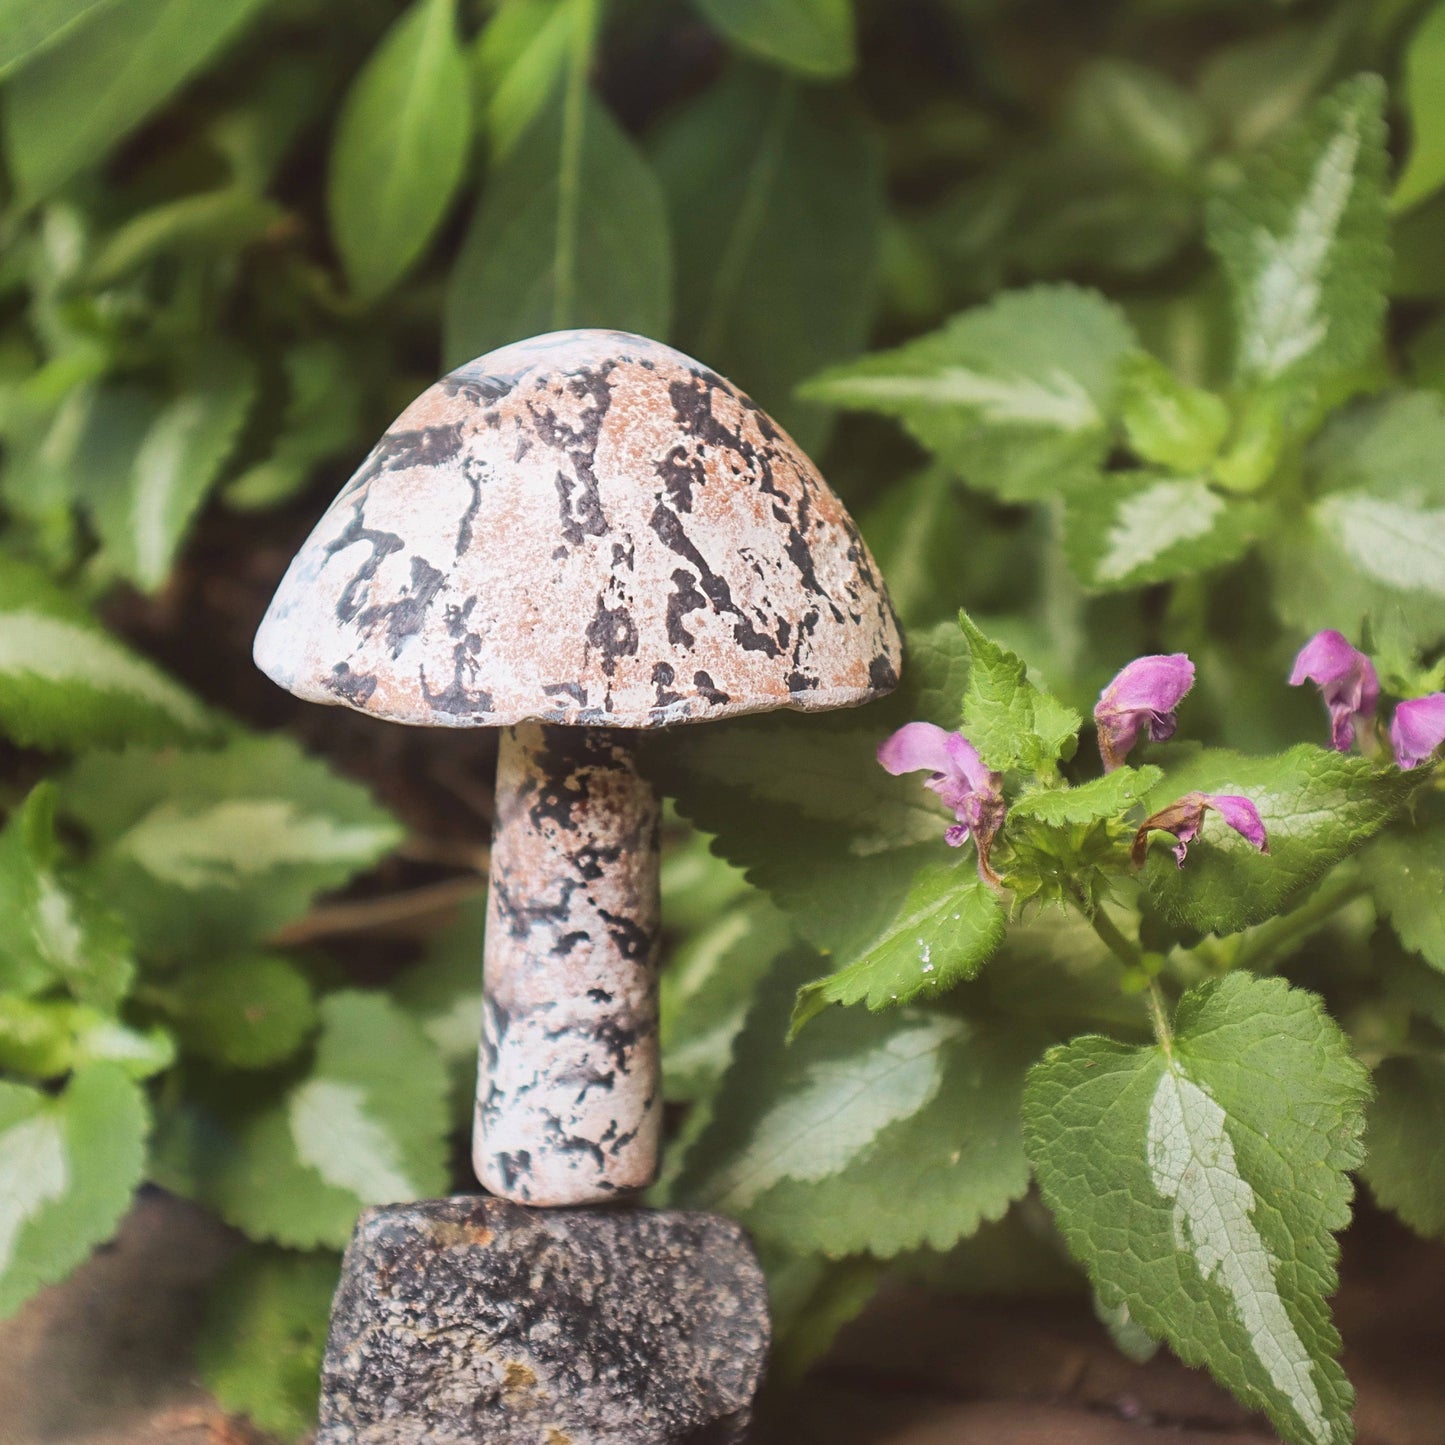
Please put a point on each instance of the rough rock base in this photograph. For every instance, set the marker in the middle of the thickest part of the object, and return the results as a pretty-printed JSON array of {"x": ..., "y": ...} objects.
[{"x": 474, "y": 1320}]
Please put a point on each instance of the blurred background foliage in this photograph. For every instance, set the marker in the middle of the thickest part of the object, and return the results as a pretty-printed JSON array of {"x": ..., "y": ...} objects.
[{"x": 236, "y": 238}]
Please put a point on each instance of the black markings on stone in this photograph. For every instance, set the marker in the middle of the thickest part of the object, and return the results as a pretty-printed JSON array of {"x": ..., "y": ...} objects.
[
  {"x": 613, "y": 633},
  {"x": 633, "y": 941},
  {"x": 430, "y": 446},
  {"x": 354, "y": 687},
  {"x": 478, "y": 387},
  {"x": 578, "y": 499},
  {"x": 663, "y": 677},
  {"x": 474, "y": 471},
  {"x": 515, "y": 1166},
  {"x": 404, "y": 617},
  {"x": 382, "y": 545},
  {"x": 707, "y": 689},
  {"x": 574, "y": 690},
  {"x": 624, "y": 555},
  {"x": 882, "y": 675}
]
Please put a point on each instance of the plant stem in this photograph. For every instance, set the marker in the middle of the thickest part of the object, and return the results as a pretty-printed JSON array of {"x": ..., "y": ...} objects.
[
  {"x": 569, "y": 171},
  {"x": 1132, "y": 957},
  {"x": 1263, "y": 947}
]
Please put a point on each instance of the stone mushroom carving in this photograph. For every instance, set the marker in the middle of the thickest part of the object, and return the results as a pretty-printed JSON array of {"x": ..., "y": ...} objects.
[{"x": 569, "y": 538}]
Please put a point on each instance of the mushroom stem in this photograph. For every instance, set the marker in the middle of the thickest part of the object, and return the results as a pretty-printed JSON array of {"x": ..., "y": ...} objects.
[{"x": 569, "y": 1101}]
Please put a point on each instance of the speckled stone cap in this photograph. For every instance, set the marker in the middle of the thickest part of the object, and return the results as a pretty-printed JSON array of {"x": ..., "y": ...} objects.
[{"x": 587, "y": 527}]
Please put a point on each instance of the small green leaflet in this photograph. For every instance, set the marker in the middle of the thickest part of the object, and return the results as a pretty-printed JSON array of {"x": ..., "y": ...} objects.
[
  {"x": 1105, "y": 797},
  {"x": 65, "y": 683},
  {"x": 401, "y": 146},
  {"x": 1173, "y": 425},
  {"x": 775, "y": 196},
  {"x": 241, "y": 1013},
  {"x": 571, "y": 231},
  {"x": 1406, "y": 870},
  {"x": 813, "y": 37},
  {"x": 1304, "y": 241},
  {"x": 1424, "y": 171},
  {"x": 207, "y": 852},
  {"x": 1131, "y": 530},
  {"x": 1019, "y": 395},
  {"x": 48, "y": 1038},
  {"x": 1404, "y": 1167},
  {"x": 1200, "y": 1185},
  {"x": 1012, "y": 723},
  {"x": 259, "y": 1351},
  {"x": 70, "y": 1163},
  {"x": 1317, "y": 807},
  {"x": 875, "y": 1133},
  {"x": 28, "y": 27}
]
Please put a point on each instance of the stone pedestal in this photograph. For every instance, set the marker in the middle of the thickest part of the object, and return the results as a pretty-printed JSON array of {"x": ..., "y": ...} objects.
[{"x": 468, "y": 1320}]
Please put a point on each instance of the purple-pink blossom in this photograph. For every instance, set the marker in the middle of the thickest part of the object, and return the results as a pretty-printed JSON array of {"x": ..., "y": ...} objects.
[
  {"x": 1142, "y": 698},
  {"x": 1185, "y": 818},
  {"x": 1347, "y": 682},
  {"x": 959, "y": 777},
  {"x": 1417, "y": 729}
]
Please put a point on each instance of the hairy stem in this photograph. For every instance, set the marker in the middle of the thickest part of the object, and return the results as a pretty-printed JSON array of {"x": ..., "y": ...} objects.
[{"x": 1132, "y": 957}]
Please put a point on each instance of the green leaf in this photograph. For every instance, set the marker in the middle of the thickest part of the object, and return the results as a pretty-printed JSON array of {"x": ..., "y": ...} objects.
[
  {"x": 868, "y": 1133},
  {"x": 520, "y": 54},
  {"x": 1009, "y": 721},
  {"x": 775, "y": 196},
  {"x": 1424, "y": 171},
  {"x": 1105, "y": 797},
  {"x": 1304, "y": 242},
  {"x": 70, "y": 1163},
  {"x": 1177, "y": 426},
  {"x": 1140, "y": 115},
  {"x": 917, "y": 531},
  {"x": 28, "y": 27},
  {"x": 1405, "y": 1168},
  {"x": 1018, "y": 395},
  {"x": 259, "y": 1350},
  {"x": 45, "y": 1039},
  {"x": 571, "y": 231},
  {"x": 1317, "y": 807},
  {"x": 401, "y": 146},
  {"x": 1199, "y": 1186},
  {"x": 949, "y": 925},
  {"x": 1373, "y": 542},
  {"x": 1130, "y": 530},
  {"x": 366, "y": 1125},
  {"x": 69, "y": 106},
  {"x": 1406, "y": 870},
  {"x": 813, "y": 37},
  {"x": 65, "y": 683},
  {"x": 242, "y": 1013},
  {"x": 206, "y": 853}
]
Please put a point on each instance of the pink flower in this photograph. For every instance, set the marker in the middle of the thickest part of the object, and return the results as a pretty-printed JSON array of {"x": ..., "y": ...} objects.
[
  {"x": 1141, "y": 698},
  {"x": 1417, "y": 729},
  {"x": 967, "y": 787},
  {"x": 1347, "y": 682},
  {"x": 1185, "y": 818}
]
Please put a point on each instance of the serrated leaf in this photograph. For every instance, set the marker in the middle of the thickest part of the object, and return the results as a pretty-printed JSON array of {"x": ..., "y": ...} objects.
[
  {"x": 1406, "y": 870},
  {"x": 1167, "y": 422},
  {"x": 401, "y": 146},
  {"x": 1105, "y": 797},
  {"x": 48, "y": 1038},
  {"x": 1130, "y": 531},
  {"x": 366, "y": 1125},
  {"x": 68, "y": 106},
  {"x": 1009, "y": 721},
  {"x": 259, "y": 1350},
  {"x": 1200, "y": 1186},
  {"x": 70, "y": 1163},
  {"x": 1424, "y": 171},
  {"x": 242, "y": 1013},
  {"x": 571, "y": 231},
  {"x": 775, "y": 197},
  {"x": 1304, "y": 242},
  {"x": 28, "y": 27},
  {"x": 65, "y": 683},
  {"x": 205, "y": 853},
  {"x": 813, "y": 37},
  {"x": 1404, "y": 1167},
  {"x": 1018, "y": 395},
  {"x": 949, "y": 925},
  {"x": 868, "y": 1133},
  {"x": 1317, "y": 807}
]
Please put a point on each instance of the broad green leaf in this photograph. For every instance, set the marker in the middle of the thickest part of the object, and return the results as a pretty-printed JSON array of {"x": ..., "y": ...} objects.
[
  {"x": 67, "y": 108},
  {"x": 209, "y": 223},
  {"x": 1404, "y": 1167},
  {"x": 1317, "y": 807},
  {"x": 1199, "y": 1186},
  {"x": 206, "y": 853},
  {"x": 28, "y": 27},
  {"x": 259, "y": 1350},
  {"x": 1018, "y": 395},
  {"x": 520, "y": 54},
  {"x": 47, "y": 1038},
  {"x": 917, "y": 532},
  {"x": 65, "y": 683},
  {"x": 70, "y": 1163},
  {"x": 571, "y": 231},
  {"x": 1406, "y": 870},
  {"x": 1373, "y": 541},
  {"x": 1303, "y": 240},
  {"x": 366, "y": 1125},
  {"x": 1424, "y": 171},
  {"x": 1105, "y": 797},
  {"x": 1130, "y": 530},
  {"x": 775, "y": 197},
  {"x": 810, "y": 1298},
  {"x": 1176, "y": 426},
  {"x": 242, "y": 1013},
  {"x": 1011, "y": 722},
  {"x": 401, "y": 145},
  {"x": 1122, "y": 109},
  {"x": 875, "y": 1133},
  {"x": 813, "y": 37}
]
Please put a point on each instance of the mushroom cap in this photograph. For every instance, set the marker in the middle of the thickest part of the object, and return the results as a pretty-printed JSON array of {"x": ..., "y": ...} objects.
[{"x": 587, "y": 527}]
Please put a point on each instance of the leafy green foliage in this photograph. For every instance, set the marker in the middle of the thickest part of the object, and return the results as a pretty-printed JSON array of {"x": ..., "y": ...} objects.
[
  {"x": 1403, "y": 1168},
  {"x": 29, "y": 27},
  {"x": 1199, "y": 1185},
  {"x": 1406, "y": 870},
  {"x": 243, "y": 1013},
  {"x": 1424, "y": 87},
  {"x": 1105, "y": 797},
  {"x": 813, "y": 37}
]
